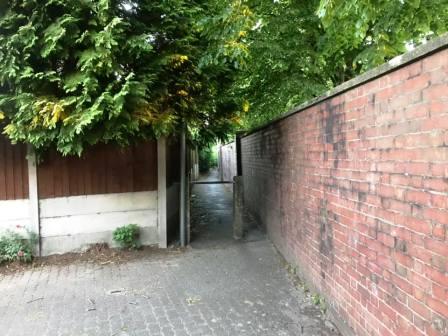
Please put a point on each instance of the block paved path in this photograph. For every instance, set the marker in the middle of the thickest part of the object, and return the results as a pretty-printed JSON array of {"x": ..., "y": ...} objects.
[{"x": 216, "y": 287}]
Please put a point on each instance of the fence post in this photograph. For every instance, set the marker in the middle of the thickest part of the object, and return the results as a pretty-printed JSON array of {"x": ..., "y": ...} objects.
[
  {"x": 34, "y": 197},
  {"x": 183, "y": 186},
  {"x": 161, "y": 192}
]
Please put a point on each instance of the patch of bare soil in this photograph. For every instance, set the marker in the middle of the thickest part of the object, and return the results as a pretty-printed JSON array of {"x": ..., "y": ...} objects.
[{"x": 99, "y": 254}]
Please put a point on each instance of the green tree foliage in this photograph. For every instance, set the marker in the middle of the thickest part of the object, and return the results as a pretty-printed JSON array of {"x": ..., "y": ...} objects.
[
  {"x": 78, "y": 72},
  {"x": 301, "y": 48},
  {"x": 366, "y": 33},
  {"x": 285, "y": 66}
]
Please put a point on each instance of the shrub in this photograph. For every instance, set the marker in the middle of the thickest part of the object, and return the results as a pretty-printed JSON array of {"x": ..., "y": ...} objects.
[
  {"x": 127, "y": 236},
  {"x": 15, "y": 247}
]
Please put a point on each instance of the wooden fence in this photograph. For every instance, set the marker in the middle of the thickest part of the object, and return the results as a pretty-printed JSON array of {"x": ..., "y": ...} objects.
[
  {"x": 13, "y": 171},
  {"x": 103, "y": 169}
]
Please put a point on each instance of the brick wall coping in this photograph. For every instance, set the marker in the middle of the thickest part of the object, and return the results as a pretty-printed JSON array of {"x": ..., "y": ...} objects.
[{"x": 422, "y": 51}]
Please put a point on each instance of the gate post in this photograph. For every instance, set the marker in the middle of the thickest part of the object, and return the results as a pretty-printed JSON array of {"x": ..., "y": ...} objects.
[
  {"x": 239, "y": 163},
  {"x": 238, "y": 207}
]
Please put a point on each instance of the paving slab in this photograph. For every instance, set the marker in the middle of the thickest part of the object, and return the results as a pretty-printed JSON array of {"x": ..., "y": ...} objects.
[
  {"x": 216, "y": 287},
  {"x": 242, "y": 289}
]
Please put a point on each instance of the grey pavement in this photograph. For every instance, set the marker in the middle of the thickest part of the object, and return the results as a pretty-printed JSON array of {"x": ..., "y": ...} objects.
[
  {"x": 216, "y": 287},
  {"x": 211, "y": 213}
]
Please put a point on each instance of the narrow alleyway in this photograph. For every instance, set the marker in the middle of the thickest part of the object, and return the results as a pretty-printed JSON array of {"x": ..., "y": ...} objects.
[
  {"x": 211, "y": 213},
  {"x": 216, "y": 287}
]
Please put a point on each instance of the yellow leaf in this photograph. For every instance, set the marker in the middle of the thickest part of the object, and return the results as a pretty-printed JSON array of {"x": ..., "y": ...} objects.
[
  {"x": 10, "y": 129},
  {"x": 2, "y": 115},
  {"x": 49, "y": 112},
  {"x": 177, "y": 60},
  {"x": 246, "y": 106},
  {"x": 237, "y": 120},
  {"x": 182, "y": 93},
  {"x": 35, "y": 122},
  {"x": 57, "y": 112}
]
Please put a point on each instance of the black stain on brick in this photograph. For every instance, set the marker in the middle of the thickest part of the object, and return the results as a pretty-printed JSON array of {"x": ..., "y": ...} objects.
[
  {"x": 272, "y": 145},
  {"x": 325, "y": 232},
  {"x": 372, "y": 99},
  {"x": 306, "y": 214},
  {"x": 362, "y": 197},
  {"x": 416, "y": 210},
  {"x": 440, "y": 324},
  {"x": 374, "y": 278},
  {"x": 339, "y": 146},
  {"x": 335, "y": 217},
  {"x": 333, "y": 123},
  {"x": 330, "y": 121},
  {"x": 362, "y": 134},
  {"x": 336, "y": 164},
  {"x": 322, "y": 274},
  {"x": 400, "y": 245}
]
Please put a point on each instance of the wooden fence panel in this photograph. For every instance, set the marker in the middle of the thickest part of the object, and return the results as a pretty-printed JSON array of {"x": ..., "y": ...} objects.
[
  {"x": 13, "y": 171},
  {"x": 103, "y": 169}
]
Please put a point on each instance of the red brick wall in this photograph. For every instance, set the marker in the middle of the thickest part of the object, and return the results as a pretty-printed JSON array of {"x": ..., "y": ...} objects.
[{"x": 354, "y": 190}]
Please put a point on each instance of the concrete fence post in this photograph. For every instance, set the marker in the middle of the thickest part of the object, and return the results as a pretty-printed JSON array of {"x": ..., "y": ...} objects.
[
  {"x": 34, "y": 198},
  {"x": 161, "y": 193},
  {"x": 238, "y": 207},
  {"x": 183, "y": 185}
]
